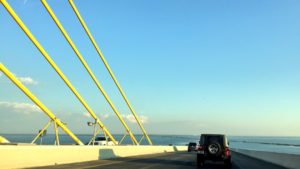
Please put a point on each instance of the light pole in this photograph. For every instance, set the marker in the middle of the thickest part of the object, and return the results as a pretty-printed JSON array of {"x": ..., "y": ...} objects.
[{"x": 94, "y": 133}]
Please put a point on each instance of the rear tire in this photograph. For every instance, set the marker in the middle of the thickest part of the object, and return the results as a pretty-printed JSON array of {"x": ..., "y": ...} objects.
[
  {"x": 228, "y": 163},
  {"x": 200, "y": 161}
]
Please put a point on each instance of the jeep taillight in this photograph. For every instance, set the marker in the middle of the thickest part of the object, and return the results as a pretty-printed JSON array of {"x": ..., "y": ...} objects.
[
  {"x": 227, "y": 152},
  {"x": 200, "y": 148}
]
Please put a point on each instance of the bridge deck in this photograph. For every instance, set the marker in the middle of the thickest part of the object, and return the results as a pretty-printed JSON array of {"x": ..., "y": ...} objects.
[{"x": 168, "y": 161}]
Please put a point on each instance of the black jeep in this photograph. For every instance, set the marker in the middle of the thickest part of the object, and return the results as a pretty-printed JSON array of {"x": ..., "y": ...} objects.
[{"x": 214, "y": 147}]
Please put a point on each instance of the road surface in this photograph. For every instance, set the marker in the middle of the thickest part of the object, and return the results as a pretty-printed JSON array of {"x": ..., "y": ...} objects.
[{"x": 182, "y": 160}]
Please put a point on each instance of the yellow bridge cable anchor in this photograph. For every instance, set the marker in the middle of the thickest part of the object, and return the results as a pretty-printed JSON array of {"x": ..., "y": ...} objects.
[
  {"x": 67, "y": 37},
  {"x": 108, "y": 68},
  {"x": 54, "y": 66},
  {"x": 38, "y": 103}
]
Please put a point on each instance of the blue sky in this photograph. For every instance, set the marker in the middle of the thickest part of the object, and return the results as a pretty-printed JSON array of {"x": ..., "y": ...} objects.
[{"x": 188, "y": 67}]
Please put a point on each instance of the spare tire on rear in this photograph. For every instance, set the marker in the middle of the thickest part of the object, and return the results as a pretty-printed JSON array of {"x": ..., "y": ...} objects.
[{"x": 214, "y": 148}]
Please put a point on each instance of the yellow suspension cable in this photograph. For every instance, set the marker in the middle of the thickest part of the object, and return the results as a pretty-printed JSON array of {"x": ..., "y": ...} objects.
[
  {"x": 65, "y": 34},
  {"x": 38, "y": 103},
  {"x": 54, "y": 66},
  {"x": 108, "y": 68}
]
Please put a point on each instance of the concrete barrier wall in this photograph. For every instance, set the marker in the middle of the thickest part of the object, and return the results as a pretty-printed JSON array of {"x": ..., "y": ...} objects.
[
  {"x": 32, "y": 156},
  {"x": 286, "y": 160}
]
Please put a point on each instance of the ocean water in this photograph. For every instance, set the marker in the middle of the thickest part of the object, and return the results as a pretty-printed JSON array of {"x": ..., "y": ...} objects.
[
  {"x": 65, "y": 139},
  {"x": 290, "y": 145}
]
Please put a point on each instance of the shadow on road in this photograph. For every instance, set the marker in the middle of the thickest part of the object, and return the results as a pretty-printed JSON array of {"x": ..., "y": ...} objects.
[
  {"x": 218, "y": 165},
  {"x": 179, "y": 160},
  {"x": 183, "y": 161},
  {"x": 151, "y": 161}
]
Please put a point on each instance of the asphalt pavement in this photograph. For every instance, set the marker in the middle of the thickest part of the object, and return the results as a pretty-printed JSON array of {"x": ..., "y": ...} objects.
[{"x": 177, "y": 160}]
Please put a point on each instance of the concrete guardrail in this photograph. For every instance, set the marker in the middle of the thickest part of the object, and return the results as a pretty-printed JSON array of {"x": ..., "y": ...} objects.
[
  {"x": 291, "y": 161},
  {"x": 12, "y": 156}
]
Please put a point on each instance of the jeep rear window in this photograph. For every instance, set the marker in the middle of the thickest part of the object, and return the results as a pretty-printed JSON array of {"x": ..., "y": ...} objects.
[
  {"x": 206, "y": 139},
  {"x": 192, "y": 144},
  {"x": 100, "y": 139}
]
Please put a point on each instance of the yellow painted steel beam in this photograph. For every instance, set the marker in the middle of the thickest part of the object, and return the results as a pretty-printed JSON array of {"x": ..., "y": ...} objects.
[
  {"x": 54, "y": 66},
  {"x": 71, "y": 43},
  {"x": 122, "y": 138},
  {"x": 38, "y": 103},
  {"x": 56, "y": 134},
  {"x": 108, "y": 68},
  {"x": 41, "y": 131},
  {"x": 141, "y": 139}
]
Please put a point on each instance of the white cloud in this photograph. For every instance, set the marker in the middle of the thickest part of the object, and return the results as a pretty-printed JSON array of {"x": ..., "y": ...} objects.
[
  {"x": 130, "y": 118},
  {"x": 86, "y": 114},
  {"x": 27, "y": 80},
  {"x": 105, "y": 116},
  {"x": 102, "y": 117},
  {"x": 144, "y": 119},
  {"x": 25, "y": 108}
]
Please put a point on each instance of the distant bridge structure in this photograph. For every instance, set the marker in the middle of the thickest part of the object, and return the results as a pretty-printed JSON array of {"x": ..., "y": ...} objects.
[{"x": 53, "y": 118}]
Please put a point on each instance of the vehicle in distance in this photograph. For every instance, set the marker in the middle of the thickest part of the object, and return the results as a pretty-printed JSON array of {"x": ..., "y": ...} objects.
[
  {"x": 192, "y": 147},
  {"x": 102, "y": 141},
  {"x": 213, "y": 147}
]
